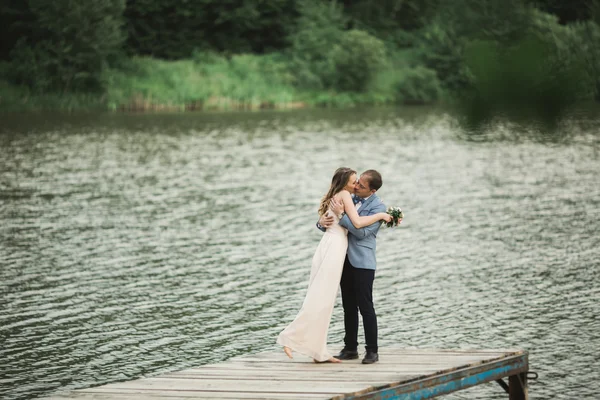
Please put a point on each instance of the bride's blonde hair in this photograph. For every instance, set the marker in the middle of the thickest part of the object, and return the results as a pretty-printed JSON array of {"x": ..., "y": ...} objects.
[{"x": 338, "y": 182}]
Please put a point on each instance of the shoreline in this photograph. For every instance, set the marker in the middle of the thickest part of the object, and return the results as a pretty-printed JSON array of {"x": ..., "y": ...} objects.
[
  {"x": 16, "y": 102},
  {"x": 139, "y": 104}
]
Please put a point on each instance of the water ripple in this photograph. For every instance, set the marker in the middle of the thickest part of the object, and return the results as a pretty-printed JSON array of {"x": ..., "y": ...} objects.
[{"x": 133, "y": 245}]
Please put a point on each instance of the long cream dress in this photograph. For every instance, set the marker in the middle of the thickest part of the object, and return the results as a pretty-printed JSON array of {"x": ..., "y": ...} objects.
[{"x": 307, "y": 334}]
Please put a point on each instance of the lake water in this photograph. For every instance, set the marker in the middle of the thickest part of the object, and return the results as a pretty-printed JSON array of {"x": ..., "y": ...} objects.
[{"x": 132, "y": 245}]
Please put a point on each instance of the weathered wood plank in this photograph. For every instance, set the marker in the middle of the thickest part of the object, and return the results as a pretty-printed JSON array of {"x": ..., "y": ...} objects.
[
  {"x": 274, "y": 385},
  {"x": 355, "y": 368},
  {"x": 403, "y": 351},
  {"x": 401, "y": 372},
  {"x": 89, "y": 394},
  {"x": 413, "y": 360},
  {"x": 444, "y": 383},
  {"x": 341, "y": 376},
  {"x": 381, "y": 366},
  {"x": 301, "y": 358}
]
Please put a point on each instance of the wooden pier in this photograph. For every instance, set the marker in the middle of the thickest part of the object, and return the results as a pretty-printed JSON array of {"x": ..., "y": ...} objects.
[{"x": 400, "y": 374}]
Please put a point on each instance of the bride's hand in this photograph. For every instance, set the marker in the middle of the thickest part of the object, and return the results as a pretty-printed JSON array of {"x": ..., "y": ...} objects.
[{"x": 336, "y": 206}]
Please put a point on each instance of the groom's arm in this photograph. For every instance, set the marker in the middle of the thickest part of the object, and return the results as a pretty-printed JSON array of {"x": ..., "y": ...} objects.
[
  {"x": 367, "y": 230},
  {"x": 324, "y": 222},
  {"x": 321, "y": 227}
]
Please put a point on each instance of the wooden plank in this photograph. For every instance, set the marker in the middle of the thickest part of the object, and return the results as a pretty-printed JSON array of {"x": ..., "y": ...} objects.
[
  {"x": 301, "y": 358},
  {"x": 396, "y": 349},
  {"x": 294, "y": 375},
  {"x": 384, "y": 355},
  {"x": 282, "y": 386},
  {"x": 381, "y": 366},
  {"x": 306, "y": 372},
  {"x": 394, "y": 359},
  {"x": 397, "y": 361},
  {"x": 89, "y": 394},
  {"x": 445, "y": 383},
  {"x": 401, "y": 372},
  {"x": 401, "y": 352},
  {"x": 404, "y": 351},
  {"x": 353, "y": 367}
]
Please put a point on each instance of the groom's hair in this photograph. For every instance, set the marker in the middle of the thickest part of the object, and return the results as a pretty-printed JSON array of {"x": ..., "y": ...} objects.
[{"x": 374, "y": 178}]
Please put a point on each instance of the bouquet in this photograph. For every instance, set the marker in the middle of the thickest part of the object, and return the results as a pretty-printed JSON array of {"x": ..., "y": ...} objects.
[{"x": 396, "y": 213}]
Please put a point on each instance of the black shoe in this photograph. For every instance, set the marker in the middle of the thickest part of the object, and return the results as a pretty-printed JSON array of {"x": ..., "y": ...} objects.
[
  {"x": 347, "y": 355},
  {"x": 370, "y": 358}
]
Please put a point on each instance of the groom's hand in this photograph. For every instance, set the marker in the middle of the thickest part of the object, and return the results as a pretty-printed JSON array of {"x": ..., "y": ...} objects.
[{"x": 325, "y": 221}]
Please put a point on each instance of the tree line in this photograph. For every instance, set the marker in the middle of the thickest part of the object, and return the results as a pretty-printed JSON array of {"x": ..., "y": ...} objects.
[{"x": 345, "y": 45}]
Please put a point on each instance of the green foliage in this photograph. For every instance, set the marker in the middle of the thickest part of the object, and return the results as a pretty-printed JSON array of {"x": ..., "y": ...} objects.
[
  {"x": 325, "y": 56},
  {"x": 357, "y": 58},
  {"x": 173, "y": 29},
  {"x": 319, "y": 28},
  {"x": 69, "y": 45},
  {"x": 523, "y": 79},
  {"x": 243, "y": 81},
  {"x": 15, "y": 98},
  {"x": 441, "y": 49},
  {"x": 390, "y": 20},
  {"x": 585, "y": 47},
  {"x": 406, "y": 84},
  {"x": 16, "y": 22},
  {"x": 260, "y": 53},
  {"x": 457, "y": 23},
  {"x": 573, "y": 47},
  {"x": 499, "y": 20},
  {"x": 568, "y": 11},
  {"x": 418, "y": 85},
  {"x": 504, "y": 26}
]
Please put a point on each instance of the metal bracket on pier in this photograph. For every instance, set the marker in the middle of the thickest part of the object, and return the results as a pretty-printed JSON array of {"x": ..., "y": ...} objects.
[
  {"x": 503, "y": 384},
  {"x": 532, "y": 376}
]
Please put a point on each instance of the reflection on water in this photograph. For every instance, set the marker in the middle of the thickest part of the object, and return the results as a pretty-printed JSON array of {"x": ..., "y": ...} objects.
[{"x": 137, "y": 244}]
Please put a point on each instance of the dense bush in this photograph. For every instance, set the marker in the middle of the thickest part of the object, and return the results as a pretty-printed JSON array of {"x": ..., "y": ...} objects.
[
  {"x": 510, "y": 55},
  {"x": 526, "y": 78},
  {"x": 392, "y": 21},
  {"x": 572, "y": 47},
  {"x": 69, "y": 45},
  {"x": 327, "y": 52},
  {"x": 498, "y": 20},
  {"x": 325, "y": 56},
  {"x": 357, "y": 58},
  {"x": 320, "y": 27},
  {"x": 418, "y": 85},
  {"x": 441, "y": 49},
  {"x": 459, "y": 22},
  {"x": 586, "y": 41},
  {"x": 173, "y": 29}
]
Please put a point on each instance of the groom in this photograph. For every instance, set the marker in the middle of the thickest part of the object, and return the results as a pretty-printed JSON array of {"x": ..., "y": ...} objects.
[{"x": 359, "y": 268}]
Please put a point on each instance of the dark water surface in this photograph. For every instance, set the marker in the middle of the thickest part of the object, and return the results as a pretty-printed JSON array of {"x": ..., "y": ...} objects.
[{"x": 132, "y": 245}]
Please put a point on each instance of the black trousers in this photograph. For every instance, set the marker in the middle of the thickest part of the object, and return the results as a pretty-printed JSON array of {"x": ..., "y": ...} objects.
[{"x": 357, "y": 295}]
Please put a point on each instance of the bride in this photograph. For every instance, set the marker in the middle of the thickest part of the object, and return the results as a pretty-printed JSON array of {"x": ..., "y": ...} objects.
[{"x": 307, "y": 334}]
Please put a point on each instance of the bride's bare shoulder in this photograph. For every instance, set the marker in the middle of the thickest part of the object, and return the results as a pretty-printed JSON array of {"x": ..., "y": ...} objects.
[{"x": 341, "y": 194}]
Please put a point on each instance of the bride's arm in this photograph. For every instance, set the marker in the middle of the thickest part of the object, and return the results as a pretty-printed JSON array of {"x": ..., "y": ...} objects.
[{"x": 356, "y": 219}]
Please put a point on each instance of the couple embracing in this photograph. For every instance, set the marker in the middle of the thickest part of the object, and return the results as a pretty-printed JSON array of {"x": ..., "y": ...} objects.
[{"x": 350, "y": 215}]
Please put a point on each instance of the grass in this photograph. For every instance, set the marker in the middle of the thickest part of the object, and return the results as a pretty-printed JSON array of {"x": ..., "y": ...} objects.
[
  {"x": 17, "y": 98},
  {"x": 207, "y": 81}
]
